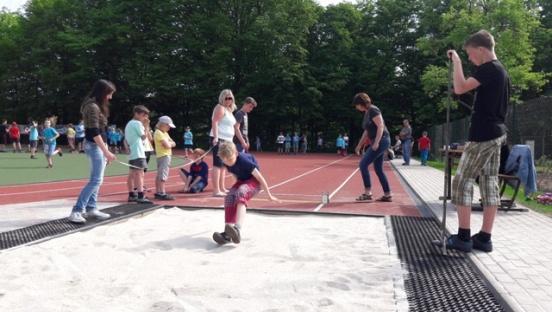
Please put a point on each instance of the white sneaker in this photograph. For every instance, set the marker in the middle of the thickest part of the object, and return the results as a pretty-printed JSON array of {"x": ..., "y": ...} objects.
[
  {"x": 98, "y": 214},
  {"x": 76, "y": 217}
]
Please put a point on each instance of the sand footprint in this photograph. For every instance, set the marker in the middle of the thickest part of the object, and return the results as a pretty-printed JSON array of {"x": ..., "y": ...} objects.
[
  {"x": 325, "y": 302},
  {"x": 165, "y": 306},
  {"x": 338, "y": 285}
]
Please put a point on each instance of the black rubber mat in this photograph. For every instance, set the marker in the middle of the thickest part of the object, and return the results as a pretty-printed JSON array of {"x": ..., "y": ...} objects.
[
  {"x": 60, "y": 227},
  {"x": 437, "y": 282}
]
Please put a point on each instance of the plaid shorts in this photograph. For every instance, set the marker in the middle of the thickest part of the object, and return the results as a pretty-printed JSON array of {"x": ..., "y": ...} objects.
[
  {"x": 240, "y": 193},
  {"x": 478, "y": 159}
]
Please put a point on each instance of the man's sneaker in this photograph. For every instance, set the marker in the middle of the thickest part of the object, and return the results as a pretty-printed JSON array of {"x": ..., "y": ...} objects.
[
  {"x": 60, "y": 152},
  {"x": 479, "y": 245},
  {"x": 76, "y": 217},
  {"x": 163, "y": 196},
  {"x": 132, "y": 199},
  {"x": 221, "y": 238},
  {"x": 98, "y": 214},
  {"x": 143, "y": 201},
  {"x": 233, "y": 232}
]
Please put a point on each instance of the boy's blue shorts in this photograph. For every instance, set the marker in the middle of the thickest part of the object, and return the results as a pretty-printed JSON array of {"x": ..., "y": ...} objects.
[{"x": 49, "y": 149}]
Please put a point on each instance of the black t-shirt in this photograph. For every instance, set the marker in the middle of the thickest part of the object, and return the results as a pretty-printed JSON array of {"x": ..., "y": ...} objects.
[
  {"x": 244, "y": 166},
  {"x": 241, "y": 118},
  {"x": 490, "y": 103},
  {"x": 2, "y": 129},
  {"x": 369, "y": 125}
]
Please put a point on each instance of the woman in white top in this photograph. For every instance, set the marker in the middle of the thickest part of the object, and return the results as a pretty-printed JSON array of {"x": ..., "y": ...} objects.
[{"x": 222, "y": 129}]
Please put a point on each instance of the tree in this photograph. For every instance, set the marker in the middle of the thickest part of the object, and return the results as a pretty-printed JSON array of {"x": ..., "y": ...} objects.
[{"x": 510, "y": 22}]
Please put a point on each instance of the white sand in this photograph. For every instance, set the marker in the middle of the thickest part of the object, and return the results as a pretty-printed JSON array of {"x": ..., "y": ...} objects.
[{"x": 166, "y": 261}]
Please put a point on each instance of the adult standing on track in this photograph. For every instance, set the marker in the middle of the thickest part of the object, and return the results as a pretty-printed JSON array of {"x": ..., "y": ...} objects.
[
  {"x": 242, "y": 124},
  {"x": 94, "y": 110},
  {"x": 222, "y": 130},
  {"x": 406, "y": 137},
  {"x": 374, "y": 128}
]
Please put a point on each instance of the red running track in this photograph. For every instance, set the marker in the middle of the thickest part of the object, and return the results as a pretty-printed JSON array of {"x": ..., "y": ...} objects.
[{"x": 297, "y": 180}]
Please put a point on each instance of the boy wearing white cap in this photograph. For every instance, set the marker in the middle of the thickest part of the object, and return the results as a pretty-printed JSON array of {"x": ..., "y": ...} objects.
[{"x": 163, "y": 151}]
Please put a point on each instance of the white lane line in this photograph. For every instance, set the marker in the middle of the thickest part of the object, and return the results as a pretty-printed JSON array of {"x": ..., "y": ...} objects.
[
  {"x": 304, "y": 195},
  {"x": 307, "y": 173},
  {"x": 338, "y": 188}
]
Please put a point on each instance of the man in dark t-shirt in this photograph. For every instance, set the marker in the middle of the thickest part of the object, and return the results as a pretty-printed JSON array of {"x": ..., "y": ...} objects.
[
  {"x": 242, "y": 124},
  {"x": 481, "y": 156}
]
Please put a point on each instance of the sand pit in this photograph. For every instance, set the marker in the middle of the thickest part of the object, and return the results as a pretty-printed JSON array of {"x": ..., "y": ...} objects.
[{"x": 166, "y": 261}]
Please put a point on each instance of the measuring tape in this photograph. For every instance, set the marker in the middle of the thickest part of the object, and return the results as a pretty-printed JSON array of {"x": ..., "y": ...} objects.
[{"x": 189, "y": 161}]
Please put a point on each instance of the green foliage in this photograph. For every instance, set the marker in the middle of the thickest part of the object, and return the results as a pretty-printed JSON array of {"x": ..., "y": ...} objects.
[
  {"x": 510, "y": 22},
  {"x": 302, "y": 62}
]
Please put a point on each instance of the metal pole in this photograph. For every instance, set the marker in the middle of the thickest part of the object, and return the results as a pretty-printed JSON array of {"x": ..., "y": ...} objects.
[{"x": 447, "y": 163}]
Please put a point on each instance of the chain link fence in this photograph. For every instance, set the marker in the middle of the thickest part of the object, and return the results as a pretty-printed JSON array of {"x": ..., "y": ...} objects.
[{"x": 531, "y": 124}]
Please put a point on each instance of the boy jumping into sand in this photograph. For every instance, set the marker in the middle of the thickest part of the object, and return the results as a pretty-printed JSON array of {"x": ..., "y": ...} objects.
[{"x": 249, "y": 182}]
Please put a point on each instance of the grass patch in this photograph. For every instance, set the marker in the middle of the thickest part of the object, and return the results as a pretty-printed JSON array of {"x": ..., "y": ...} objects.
[
  {"x": 18, "y": 168},
  {"x": 508, "y": 193}
]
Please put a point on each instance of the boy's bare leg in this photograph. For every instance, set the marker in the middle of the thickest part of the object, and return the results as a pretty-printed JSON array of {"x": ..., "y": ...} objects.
[
  {"x": 489, "y": 214},
  {"x": 464, "y": 215},
  {"x": 139, "y": 180},
  {"x": 242, "y": 209},
  {"x": 216, "y": 181},
  {"x": 130, "y": 181},
  {"x": 188, "y": 183},
  {"x": 160, "y": 186},
  {"x": 222, "y": 178}
]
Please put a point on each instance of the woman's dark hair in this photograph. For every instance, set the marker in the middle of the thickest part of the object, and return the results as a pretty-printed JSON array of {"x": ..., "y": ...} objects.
[
  {"x": 362, "y": 99},
  {"x": 99, "y": 93}
]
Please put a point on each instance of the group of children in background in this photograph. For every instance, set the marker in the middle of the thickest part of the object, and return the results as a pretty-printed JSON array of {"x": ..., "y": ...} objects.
[
  {"x": 342, "y": 144},
  {"x": 287, "y": 144},
  {"x": 115, "y": 139},
  {"x": 48, "y": 135},
  {"x": 424, "y": 147}
]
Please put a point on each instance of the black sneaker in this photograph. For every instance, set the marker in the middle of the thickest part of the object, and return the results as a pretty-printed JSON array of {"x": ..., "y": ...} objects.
[
  {"x": 479, "y": 245},
  {"x": 453, "y": 242},
  {"x": 60, "y": 152},
  {"x": 132, "y": 199},
  {"x": 221, "y": 238},
  {"x": 163, "y": 196},
  {"x": 143, "y": 201},
  {"x": 233, "y": 232}
]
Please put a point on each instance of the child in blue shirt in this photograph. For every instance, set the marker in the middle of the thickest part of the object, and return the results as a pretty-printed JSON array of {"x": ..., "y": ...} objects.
[
  {"x": 249, "y": 182},
  {"x": 340, "y": 144},
  {"x": 287, "y": 146},
  {"x": 33, "y": 138},
  {"x": 79, "y": 137},
  {"x": 296, "y": 140},
  {"x": 188, "y": 141},
  {"x": 49, "y": 136}
]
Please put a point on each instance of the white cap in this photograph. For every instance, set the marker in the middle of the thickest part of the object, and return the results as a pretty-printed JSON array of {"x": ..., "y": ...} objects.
[{"x": 167, "y": 120}]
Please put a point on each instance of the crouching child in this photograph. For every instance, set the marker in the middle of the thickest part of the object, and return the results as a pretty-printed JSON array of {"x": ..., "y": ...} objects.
[
  {"x": 196, "y": 179},
  {"x": 249, "y": 182}
]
